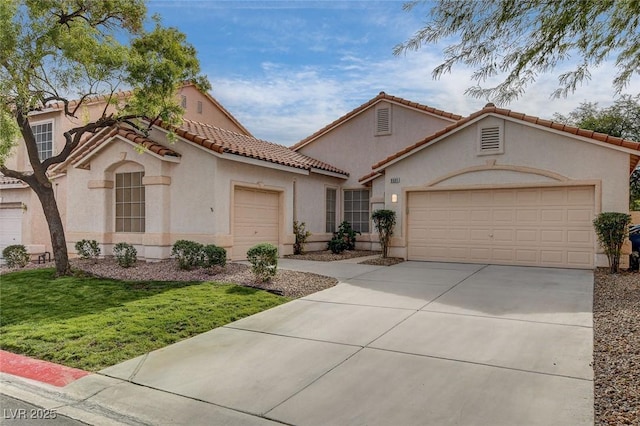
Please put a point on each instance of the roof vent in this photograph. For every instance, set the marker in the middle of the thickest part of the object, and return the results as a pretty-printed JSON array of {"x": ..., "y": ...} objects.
[
  {"x": 383, "y": 121},
  {"x": 490, "y": 139},
  {"x": 490, "y": 105}
]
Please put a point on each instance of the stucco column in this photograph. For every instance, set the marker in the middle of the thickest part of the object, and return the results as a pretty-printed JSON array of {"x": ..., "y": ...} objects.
[{"x": 157, "y": 237}]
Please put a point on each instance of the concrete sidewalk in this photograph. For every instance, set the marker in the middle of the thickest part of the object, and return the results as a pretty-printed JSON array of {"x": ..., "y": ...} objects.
[{"x": 415, "y": 343}]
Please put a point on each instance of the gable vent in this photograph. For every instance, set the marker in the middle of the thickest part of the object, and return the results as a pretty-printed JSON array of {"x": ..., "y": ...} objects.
[
  {"x": 383, "y": 121},
  {"x": 490, "y": 139}
]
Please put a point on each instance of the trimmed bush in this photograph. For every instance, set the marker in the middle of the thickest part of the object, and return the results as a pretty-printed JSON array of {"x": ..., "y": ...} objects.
[
  {"x": 302, "y": 235},
  {"x": 126, "y": 254},
  {"x": 213, "y": 255},
  {"x": 188, "y": 253},
  {"x": 343, "y": 239},
  {"x": 612, "y": 230},
  {"x": 88, "y": 249},
  {"x": 385, "y": 221},
  {"x": 16, "y": 256},
  {"x": 264, "y": 261}
]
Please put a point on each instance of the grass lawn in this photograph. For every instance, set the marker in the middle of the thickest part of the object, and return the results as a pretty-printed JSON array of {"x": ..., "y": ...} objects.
[{"x": 92, "y": 323}]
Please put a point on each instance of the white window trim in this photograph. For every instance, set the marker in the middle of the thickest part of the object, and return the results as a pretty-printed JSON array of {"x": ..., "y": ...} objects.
[
  {"x": 53, "y": 136},
  {"x": 499, "y": 149}
]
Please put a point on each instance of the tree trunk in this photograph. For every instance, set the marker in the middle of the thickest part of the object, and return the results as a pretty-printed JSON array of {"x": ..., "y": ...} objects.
[{"x": 56, "y": 228}]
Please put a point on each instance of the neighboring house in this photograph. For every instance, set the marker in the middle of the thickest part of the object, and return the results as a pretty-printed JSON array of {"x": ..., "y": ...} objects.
[
  {"x": 355, "y": 141},
  {"x": 21, "y": 218},
  {"x": 211, "y": 185},
  {"x": 502, "y": 187}
]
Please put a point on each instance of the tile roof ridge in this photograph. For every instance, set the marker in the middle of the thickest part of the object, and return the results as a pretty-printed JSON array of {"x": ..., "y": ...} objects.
[
  {"x": 491, "y": 108},
  {"x": 380, "y": 96}
]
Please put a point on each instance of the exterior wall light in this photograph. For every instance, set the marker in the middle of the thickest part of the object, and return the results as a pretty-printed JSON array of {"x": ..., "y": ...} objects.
[{"x": 394, "y": 198}]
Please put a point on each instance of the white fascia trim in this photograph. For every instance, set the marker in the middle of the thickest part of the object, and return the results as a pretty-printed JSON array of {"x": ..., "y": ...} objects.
[
  {"x": 563, "y": 133},
  {"x": 105, "y": 144},
  {"x": 261, "y": 163},
  {"x": 328, "y": 173},
  {"x": 452, "y": 120},
  {"x": 14, "y": 186},
  {"x": 371, "y": 178}
]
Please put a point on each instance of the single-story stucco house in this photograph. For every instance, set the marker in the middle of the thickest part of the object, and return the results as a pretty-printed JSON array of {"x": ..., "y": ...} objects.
[{"x": 494, "y": 187}]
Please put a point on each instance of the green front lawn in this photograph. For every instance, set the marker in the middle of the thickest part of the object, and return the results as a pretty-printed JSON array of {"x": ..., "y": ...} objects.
[{"x": 92, "y": 323}]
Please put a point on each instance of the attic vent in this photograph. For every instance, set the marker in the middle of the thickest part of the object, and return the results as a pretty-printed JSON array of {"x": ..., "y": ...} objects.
[
  {"x": 383, "y": 121},
  {"x": 491, "y": 140}
]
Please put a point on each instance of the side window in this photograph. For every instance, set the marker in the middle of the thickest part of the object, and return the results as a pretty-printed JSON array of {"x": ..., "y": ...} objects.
[
  {"x": 330, "y": 209},
  {"x": 43, "y": 133}
]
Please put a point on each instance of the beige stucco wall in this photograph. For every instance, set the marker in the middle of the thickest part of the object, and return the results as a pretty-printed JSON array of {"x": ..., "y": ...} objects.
[
  {"x": 354, "y": 147},
  {"x": 210, "y": 112},
  {"x": 526, "y": 148}
]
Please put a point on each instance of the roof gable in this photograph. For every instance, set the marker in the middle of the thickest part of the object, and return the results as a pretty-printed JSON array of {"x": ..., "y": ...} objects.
[
  {"x": 490, "y": 109},
  {"x": 382, "y": 96},
  {"x": 223, "y": 141}
]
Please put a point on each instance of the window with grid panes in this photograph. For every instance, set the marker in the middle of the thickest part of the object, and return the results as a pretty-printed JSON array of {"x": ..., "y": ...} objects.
[
  {"x": 130, "y": 196},
  {"x": 43, "y": 134},
  {"x": 356, "y": 209},
  {"x": 330, "y": 206}
]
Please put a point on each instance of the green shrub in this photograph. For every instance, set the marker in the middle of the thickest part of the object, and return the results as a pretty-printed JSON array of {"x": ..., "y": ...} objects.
[
  {"x": 264, "y": 260},
  {"x": 88, "y": 249},
  {"x": 213, "y": 255},
  {"x": 612, "y": 229},
  {"x": 384, "y": 221},
  {"x": 188, "y": 253},
  {"x": 337, "y": 245},
  {"x": 302, "y": 235},
  {"x": 126, "y": 254},
  {"x": 16, "y": 256},
  {"x": 343, "y": 239}
]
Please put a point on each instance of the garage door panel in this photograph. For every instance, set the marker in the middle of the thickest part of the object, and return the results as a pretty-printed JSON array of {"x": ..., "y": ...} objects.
[
  {"x": 524, "y": 226},
  {"x": 551, "y": 236},
  {"x": 527, "y": 215},
  {"x": 504, "y": 216},
  {"x": 527, "y": 197},
  {"x": 552, "y": 216},
  {"x": 526, "y": 256}
]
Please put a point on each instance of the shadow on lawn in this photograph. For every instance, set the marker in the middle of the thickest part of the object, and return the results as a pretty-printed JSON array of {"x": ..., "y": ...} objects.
[{"x": 37, "y": 295}]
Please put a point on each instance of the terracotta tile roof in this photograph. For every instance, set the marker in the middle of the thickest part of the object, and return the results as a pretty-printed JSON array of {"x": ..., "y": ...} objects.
[
  {"x": 492, "y": 109},
  {"x": 93, "y": 141},
  {"x": 381, "y": 97},
  {"x": 225, "y": 141},
  {"x": 5, "y": 180}
]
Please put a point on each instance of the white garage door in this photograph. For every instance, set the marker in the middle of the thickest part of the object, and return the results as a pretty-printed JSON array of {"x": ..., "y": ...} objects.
[
  {"x": 549, "y": 226},
  {"x": 10, "y": 227},
  {"x": 256, "y": 217}
]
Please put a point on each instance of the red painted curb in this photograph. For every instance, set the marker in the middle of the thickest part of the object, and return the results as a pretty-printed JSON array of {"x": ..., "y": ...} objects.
[{"x": 42, "y": 371}]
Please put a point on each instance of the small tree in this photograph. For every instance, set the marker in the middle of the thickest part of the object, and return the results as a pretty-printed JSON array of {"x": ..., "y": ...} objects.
[
  {"x": 302, "y": 235},
  {"x": 612, "y": 229},
  {"x": 384, "y": 221}
]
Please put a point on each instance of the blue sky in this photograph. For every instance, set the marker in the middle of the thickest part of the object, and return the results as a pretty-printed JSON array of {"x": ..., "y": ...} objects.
[{"x": 287, "y": 68}]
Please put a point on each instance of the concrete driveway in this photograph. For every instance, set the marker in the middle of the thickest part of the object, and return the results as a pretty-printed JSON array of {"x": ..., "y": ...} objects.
[{"x": 413, "y": 344}]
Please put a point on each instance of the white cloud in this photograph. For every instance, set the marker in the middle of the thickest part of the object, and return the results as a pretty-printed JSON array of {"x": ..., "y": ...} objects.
[{"x": 287, "y": 103}]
